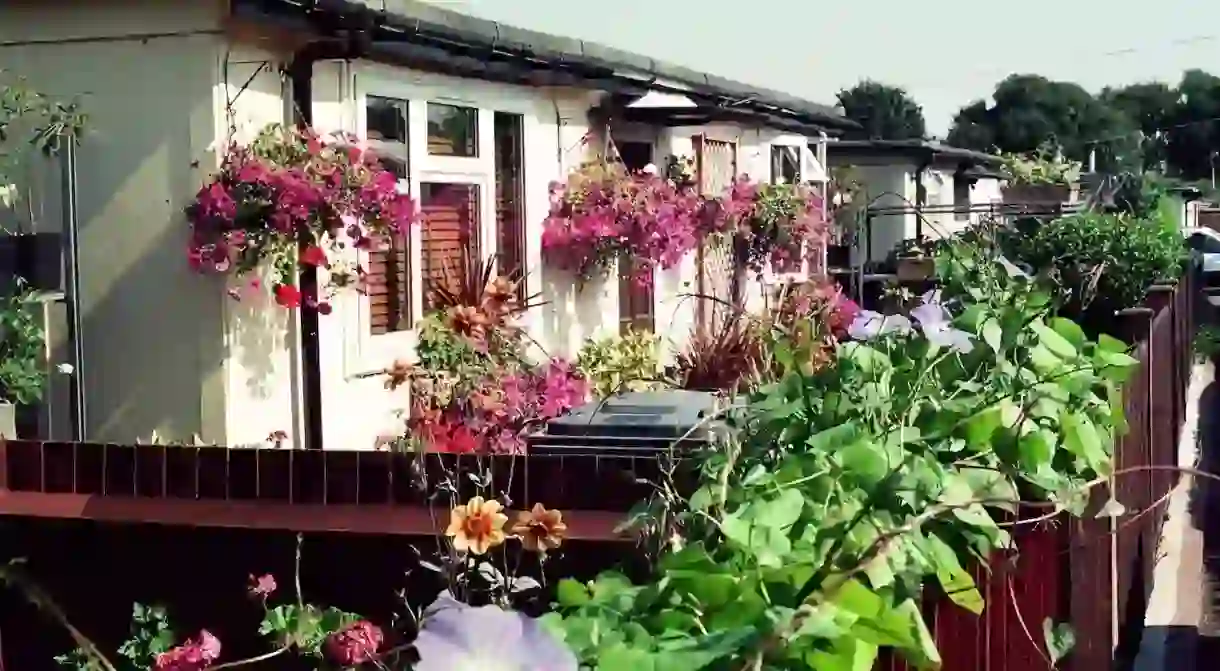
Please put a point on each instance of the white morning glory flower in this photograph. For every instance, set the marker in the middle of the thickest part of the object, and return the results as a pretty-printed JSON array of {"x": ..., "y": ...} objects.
[
  {"x": 458, "y": 637},
  {"x": 933, "y": 321},
  {"x": 868, "y": 325}
]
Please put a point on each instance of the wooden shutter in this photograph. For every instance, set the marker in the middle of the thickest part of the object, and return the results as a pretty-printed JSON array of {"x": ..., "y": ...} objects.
[
  {"x": 388, "y": 286},
  {"x": 510, "y": 198},
  {"x": 449, "y": 233}
]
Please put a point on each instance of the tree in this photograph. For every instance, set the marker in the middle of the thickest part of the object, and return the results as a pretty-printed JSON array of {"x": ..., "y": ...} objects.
[
  {"x": 1194, "y": 134},
  {"x": 885, "y": 112},
  {"x": 1151, "y": 107},
  {"x": 1032, "y": 111}
]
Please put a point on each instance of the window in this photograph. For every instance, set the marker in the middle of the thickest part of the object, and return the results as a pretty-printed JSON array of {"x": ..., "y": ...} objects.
[
  {"x": 449, "y": 234},
  {"x": 388, "y": 273},
  {"x": 961, "y": 198},
  {"x": 715, "y": 164},
  {"x": 635, "y": 300},
  {"x": 453, "y": 131},
  {"x": 510, "y": 197},
  {"x": 635, "y": 155},
  {"x": 785, "y": 164}
]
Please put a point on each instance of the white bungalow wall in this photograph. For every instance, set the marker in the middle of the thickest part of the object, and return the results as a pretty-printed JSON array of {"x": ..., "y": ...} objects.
[{"x": 167, "y": 351}]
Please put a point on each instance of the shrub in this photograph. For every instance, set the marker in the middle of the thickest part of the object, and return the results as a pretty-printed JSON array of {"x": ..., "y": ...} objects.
[
  {"x": 613, "y": 365},
  {"x": 1104, "y": 262}
]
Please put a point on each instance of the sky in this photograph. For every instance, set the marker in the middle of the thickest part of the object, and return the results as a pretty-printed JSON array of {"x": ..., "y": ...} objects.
[{"x": 946, "y": 53}]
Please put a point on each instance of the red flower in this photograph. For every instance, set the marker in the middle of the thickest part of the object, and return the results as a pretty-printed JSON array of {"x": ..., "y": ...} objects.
[
  {"x": 324, "y": 308},
  {"x": 262, "y": 586},
  {"x": 355, "y": 645},
  {"x": 313, "y": 256},
  {"x": 287, "y": 295},
  {"x": 194, "y": 655}
]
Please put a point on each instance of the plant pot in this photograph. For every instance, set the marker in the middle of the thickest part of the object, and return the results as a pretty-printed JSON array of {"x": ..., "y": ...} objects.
[
  {"x": 915, "y": 268},
  {"x": 1038, "y": 194},
  {"x": 8, "y": 421}
]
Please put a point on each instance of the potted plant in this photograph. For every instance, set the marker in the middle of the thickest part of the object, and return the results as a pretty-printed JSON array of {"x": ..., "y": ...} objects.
[
  {"x": 1042, "y": 177},
  {"x": 22, "y": 353},
  {"x": 31, "y": 122},
  {"x": 914, "y": 261}
]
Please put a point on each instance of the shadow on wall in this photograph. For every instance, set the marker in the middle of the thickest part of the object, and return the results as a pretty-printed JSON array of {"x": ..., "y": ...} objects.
[
  {"x": 152, "y": 331},
  {"x": 572, "y": 312},
  {"x": 259, "y": 337}
]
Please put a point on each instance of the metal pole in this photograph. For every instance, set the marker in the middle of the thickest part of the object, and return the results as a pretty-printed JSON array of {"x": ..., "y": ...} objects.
[{"x": 72, "y": 295}]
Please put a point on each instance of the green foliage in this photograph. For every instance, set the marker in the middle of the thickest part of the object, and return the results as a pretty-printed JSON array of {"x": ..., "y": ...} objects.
[
  {"x": 303, "y": 627},
  {"x": 885, "y": 112},
  {"x": 1206, "y": 344},
  {"x": 1045, "y": 165},
  {"x": 151, "y": 635},
  {"x": 810, "y": 538},
  {"x": 1105, "y": 261},
  {"x": 22, "y": 347},
  {"x": 616, "y": 364},
  {"x": 1031, "y": 111}
]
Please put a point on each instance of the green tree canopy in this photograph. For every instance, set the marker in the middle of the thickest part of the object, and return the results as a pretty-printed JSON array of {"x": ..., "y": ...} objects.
[
  {"x": 1032, "y": 111},
  {"x": 885, "y": 112},
  {"x": 1151, "y": 107},
  {"x": 1194, "y": 134}
]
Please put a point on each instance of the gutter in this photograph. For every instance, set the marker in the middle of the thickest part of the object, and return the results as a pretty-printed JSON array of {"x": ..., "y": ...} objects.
[{"x": 350, "y": 42}]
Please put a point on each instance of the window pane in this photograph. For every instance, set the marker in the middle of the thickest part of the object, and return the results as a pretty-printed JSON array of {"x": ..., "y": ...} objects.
[
  {"x": 785, "y": 164},
  {"x": 510, "y": 197},
  {"x": 449, "y": 235},
  {"x": 453, "y": 130},
  {"x": 386, "y": 119}
]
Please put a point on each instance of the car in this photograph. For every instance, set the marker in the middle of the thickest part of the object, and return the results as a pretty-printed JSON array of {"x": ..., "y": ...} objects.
[{"x": 1206, "y": 241}]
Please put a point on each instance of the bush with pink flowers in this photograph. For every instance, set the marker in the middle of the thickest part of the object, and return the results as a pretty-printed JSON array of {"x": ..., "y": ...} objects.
[
  {"x": 294, "y": 199},
  {"x": 603, "y": 213}
]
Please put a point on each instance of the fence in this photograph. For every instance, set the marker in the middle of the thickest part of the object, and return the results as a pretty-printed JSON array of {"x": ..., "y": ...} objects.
[{"x": 105, "y": 525}]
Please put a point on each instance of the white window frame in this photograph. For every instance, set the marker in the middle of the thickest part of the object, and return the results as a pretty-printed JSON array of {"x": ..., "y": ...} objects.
[
  {"x": 770, "y": 276},
  {"x": 365, "y": 353}
]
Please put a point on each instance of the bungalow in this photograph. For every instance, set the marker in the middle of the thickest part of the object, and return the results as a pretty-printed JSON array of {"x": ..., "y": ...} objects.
[
  {"x": 921, "y": 188},
  {"x": 479, "y": 118}
]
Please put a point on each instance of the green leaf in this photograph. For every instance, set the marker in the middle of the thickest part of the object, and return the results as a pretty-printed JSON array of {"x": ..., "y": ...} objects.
[
  {"x": 1059, "y": 639},
  {"x": 993, "y": 335},
  {"x": 828, "y": 440},
  {"x": 1114, "y": 366},
  {"x": 572, "y": 593},
  {"x": 1080, "y": 438},
  {"x": 954, "y": 580},
  {"x": 1111, "y": 344},
  {"x": 1057, "y": 344},
  {"x": 1070, "y": 331}
]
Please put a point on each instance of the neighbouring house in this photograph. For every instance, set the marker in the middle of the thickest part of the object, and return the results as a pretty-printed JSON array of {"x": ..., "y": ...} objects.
[
  {"x": 918, "y": 188},
  {"x": 480, "y": 118}
]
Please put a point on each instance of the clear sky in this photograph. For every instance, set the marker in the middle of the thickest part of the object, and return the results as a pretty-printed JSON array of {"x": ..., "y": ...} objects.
[{"x": 944, "y": 52}]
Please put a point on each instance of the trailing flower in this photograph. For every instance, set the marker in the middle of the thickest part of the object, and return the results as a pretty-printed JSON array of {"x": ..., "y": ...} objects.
[
  {"x": 769, "y": 223},
  {"x": 604, "y": 213},
  {"x": 295, "y": 199}
]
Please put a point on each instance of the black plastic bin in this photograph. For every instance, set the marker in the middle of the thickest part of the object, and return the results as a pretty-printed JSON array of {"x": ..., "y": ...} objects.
[{"x": 630, "y": 442}]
